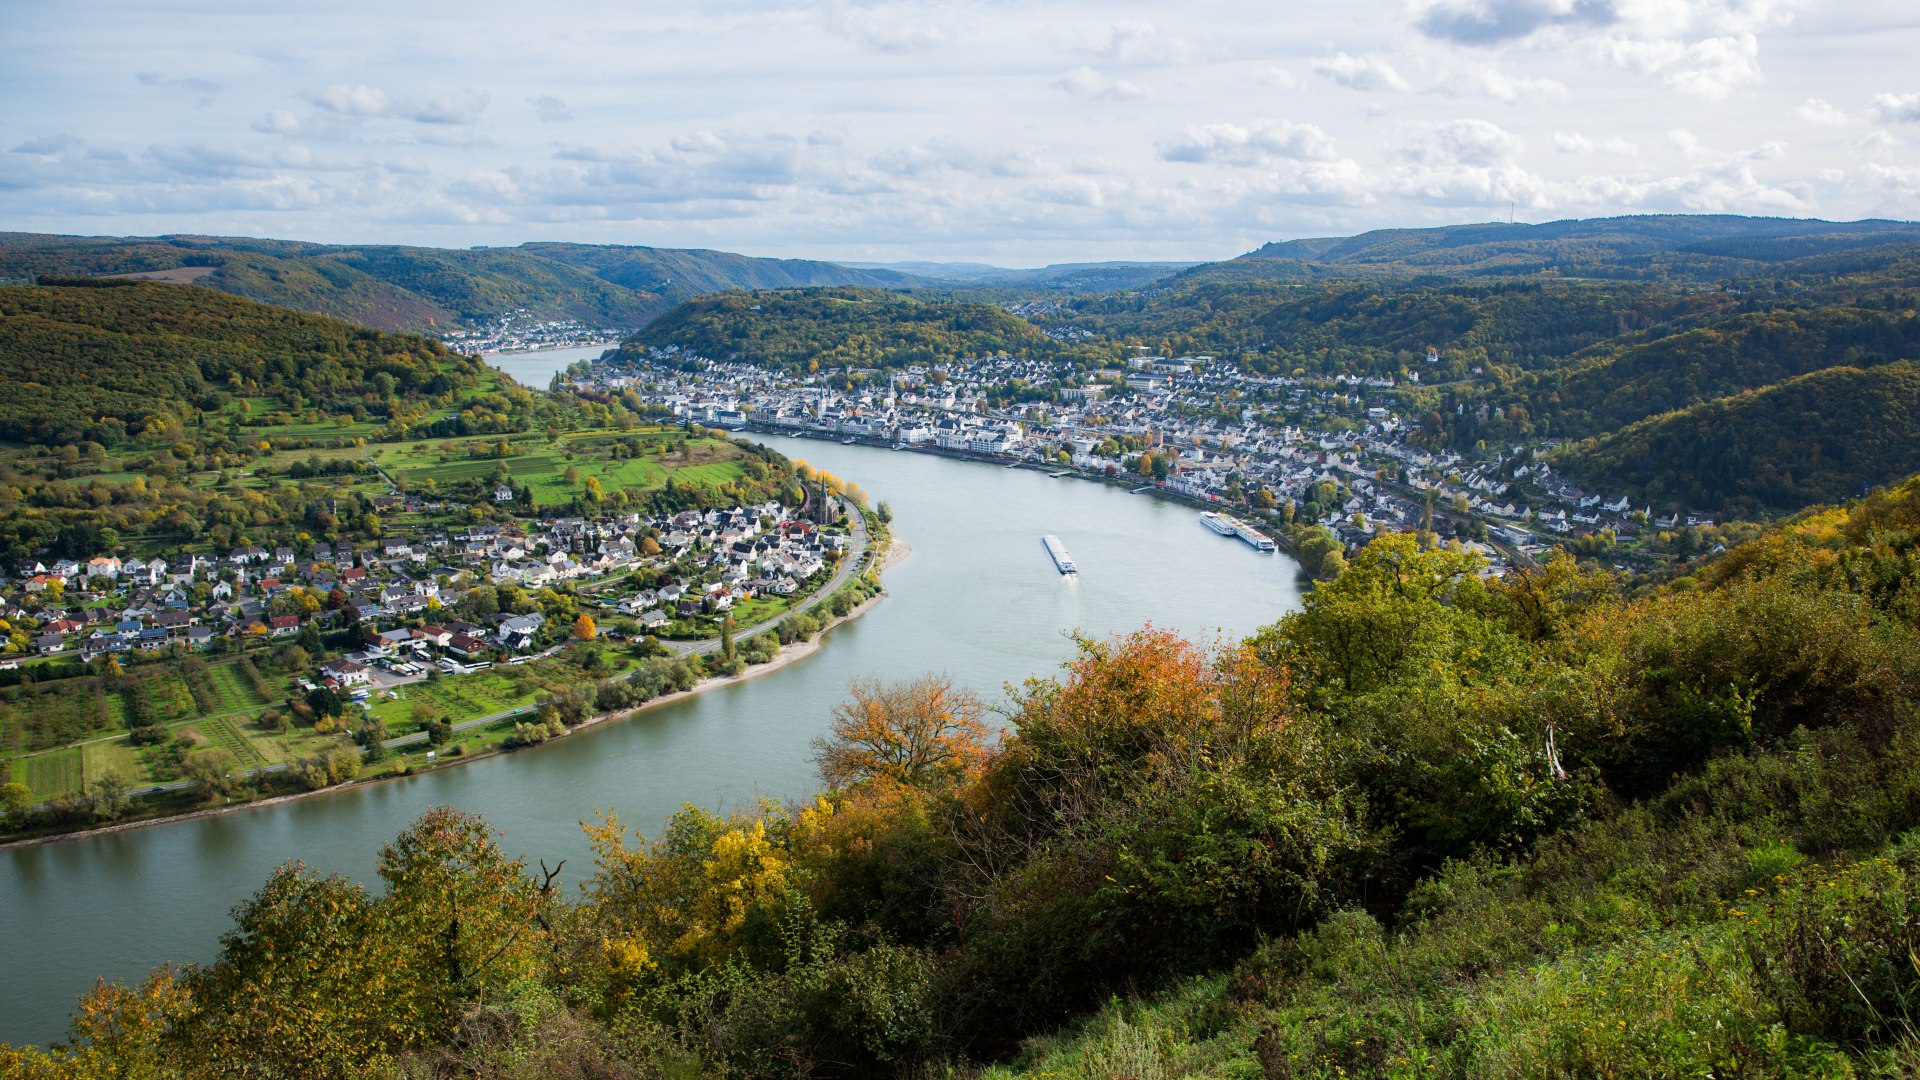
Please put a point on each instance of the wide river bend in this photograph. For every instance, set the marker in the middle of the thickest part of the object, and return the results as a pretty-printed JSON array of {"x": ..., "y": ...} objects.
[{"x": 977, "y": 598}]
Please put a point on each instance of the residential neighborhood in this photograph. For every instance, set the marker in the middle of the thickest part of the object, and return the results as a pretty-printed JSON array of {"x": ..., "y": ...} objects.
[
  {"x": 412, "y": 598},
  {"x": 1207, "y": 432}
]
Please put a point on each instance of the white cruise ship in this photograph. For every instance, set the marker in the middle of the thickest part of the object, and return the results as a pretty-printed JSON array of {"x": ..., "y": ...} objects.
[
  {"x": 1219, "y": 523},
  {"x": 1228, "y": 525}
]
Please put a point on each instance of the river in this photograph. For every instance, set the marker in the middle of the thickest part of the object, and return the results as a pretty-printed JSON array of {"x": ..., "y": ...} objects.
[
  {"x": 536, "y": 369},
  {"x": 977, "y": 598}
]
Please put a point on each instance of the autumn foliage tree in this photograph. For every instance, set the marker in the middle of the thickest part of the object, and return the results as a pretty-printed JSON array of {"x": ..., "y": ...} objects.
[
  {"x": 321, "y": 977},
  {"x": 584, "y": 629},
  {"x": 917, "y": 733}
]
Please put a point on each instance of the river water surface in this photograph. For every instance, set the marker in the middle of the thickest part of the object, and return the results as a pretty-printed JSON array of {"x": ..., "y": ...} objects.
[
  {"x": 977, "y": 598},
  {"x": 536, "y": 369}
]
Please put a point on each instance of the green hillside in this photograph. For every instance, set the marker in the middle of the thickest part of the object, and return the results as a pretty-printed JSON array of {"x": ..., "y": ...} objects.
[
  {"x": 1815, "y": 438},
  {"x": 678, "y": 273},
  {"x": 142, "y": 418},
  {"x": 839, "y": 327},
  {"x": 103, "y": 361},
  {"x": 1380, "y": 327},
  {"x": 145, "y": 417},
  {"x": 1615, "y": 386},
  {"x": 430, "y": 289},
  {"x": 1677, "y": 247}
]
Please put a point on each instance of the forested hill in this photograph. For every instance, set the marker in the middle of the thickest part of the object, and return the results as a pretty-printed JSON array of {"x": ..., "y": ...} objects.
[
  {"x": 426, "y": 289},
  {"x": 681, "y": 273},
  {"x": 1820, "y": 437},
  {"x": 824, "y": 328},
  {"x": 1655, "y": 247},
  {"x": 99, "y": 361},
  {"x": 1747, "y": 347}
]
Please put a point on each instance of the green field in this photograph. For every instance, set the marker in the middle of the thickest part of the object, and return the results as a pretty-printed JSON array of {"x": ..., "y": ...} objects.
[
  {"x": 232, "y": 688},
  {"x": 761, "y": 608},
  {"x": 51, "y": 774},
  {"x": 97, "y": 759},
  {"x": 541, "y": 463},
  {"x": 454, "y": 699},
  {"x": 221, "y": 731},
  {"x": 91, "y": 716}
]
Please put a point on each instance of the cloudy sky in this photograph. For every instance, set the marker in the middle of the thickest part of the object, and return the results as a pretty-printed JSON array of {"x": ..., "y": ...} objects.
[{"x": 1019, "y": 133}]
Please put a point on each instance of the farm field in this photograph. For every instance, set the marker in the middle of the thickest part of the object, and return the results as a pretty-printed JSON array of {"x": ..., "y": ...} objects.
[
  {"x": 50, "y": 775},
  {"x": 642, "y": 460},
  {"x": 62, "y": 735},
  {"x": 59, "y": 737}
]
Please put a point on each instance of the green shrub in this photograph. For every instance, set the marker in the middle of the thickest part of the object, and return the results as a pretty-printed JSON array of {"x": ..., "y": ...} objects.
[{"x": 1837, "y": 947}]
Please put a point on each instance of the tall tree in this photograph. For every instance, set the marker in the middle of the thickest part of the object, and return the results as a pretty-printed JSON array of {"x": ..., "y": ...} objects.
[{"x": 916, "y": 733}]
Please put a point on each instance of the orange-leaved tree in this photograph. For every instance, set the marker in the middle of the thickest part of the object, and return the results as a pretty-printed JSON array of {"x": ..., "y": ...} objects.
[{"x": 918, "y": 733}]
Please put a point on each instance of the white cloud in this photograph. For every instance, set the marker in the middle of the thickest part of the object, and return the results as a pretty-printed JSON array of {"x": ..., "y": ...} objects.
[
  {"x": 1817, "y": 111},
  {"x": 1135, "y": 41},
  {"x": 360, "y": 101},
  {"x": 1713, "y": 67},
  {"x": 49, "y": 145},
  {"x": 1252, "y": 145},
  {"x": 881, "y": 31},
  {"x": 1489, "y": 82},
  {"x": 1895, "y": 108},
  {"x": 1492, "y": 22},
  {"x": 459, "y": 107},
  {"x": 550, "y": 109},
  {"x": 1464, "y": 142},
  {"x": 280, "y": 122},
  {"x": 1575, "y": 143},
  {"x": 203, "y": 87},
  {"x": 1368, "y": 73},
  {"x": 357, "y": 99},
  {"x": 1085, "y": 82}
]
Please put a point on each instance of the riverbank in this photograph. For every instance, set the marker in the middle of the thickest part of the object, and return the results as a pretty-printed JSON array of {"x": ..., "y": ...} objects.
[
  {"x": 1123, "y": 481},
  {"x": 897, "y": 549}
]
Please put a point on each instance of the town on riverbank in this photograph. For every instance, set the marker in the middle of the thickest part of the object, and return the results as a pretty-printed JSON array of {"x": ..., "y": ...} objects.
[
  {"x": 159, "y": 684},
  {"x": 1325, "y": 464}
]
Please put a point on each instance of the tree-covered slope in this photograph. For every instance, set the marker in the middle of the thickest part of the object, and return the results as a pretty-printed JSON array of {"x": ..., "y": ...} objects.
[
  {"x": 432, "y": 289},
  {"x": 1682, "y": 247},
  {"x": 1815, "y": 438},
  {"x": 833, "y": 327},
  {"x": 681, "y": 273},
  {"x": 97, "y": 360},
  {"x": 1379, "y": 327},
  {"x": 1629, "y": 380}
]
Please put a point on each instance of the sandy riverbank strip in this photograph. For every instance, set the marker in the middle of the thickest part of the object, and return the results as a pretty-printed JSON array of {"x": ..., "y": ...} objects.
[{"x": 789, "y": 654}]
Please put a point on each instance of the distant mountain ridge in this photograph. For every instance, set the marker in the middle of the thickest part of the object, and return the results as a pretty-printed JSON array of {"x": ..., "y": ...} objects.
[
  {"x": 433, "y": 290},
  {"x": 1682, "y": 246},
  {"x": 1065, "y": 277}
]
